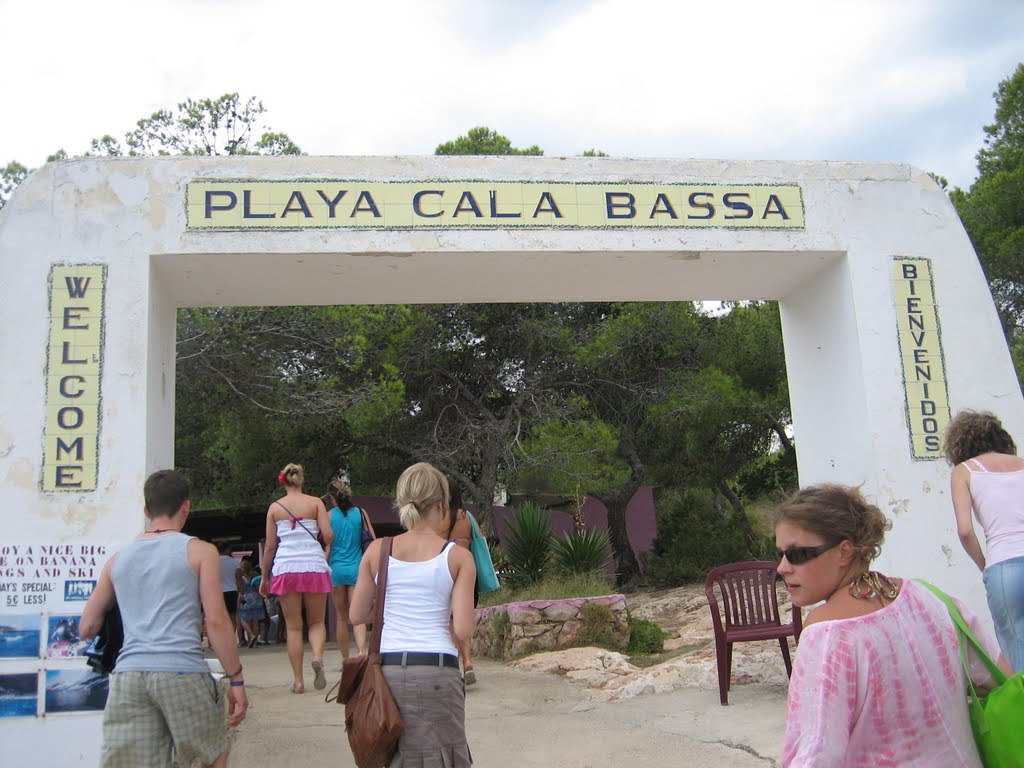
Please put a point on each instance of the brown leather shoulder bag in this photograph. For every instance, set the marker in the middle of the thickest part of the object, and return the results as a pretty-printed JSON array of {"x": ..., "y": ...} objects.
[{"x": 372, "y": 720}]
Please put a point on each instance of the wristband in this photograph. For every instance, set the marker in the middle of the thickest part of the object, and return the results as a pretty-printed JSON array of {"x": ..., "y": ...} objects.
[{"x": 236, "y": 683}]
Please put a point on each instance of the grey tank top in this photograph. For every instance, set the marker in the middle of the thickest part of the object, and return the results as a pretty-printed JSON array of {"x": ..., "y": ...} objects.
[{"x": 158, "y": 594}]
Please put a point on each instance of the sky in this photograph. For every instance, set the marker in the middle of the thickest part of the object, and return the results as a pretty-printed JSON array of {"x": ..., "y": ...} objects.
[{"x": 877, "y": 80}]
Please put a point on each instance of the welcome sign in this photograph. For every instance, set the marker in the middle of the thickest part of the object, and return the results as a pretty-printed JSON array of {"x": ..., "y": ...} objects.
[
  {"x": 75, "y": 355},
  {"x": 353, "y": 204}
]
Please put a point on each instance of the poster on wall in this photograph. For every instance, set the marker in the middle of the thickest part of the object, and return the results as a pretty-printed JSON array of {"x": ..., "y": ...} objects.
[
  {"x": 63, "y": 639},
  {"x": 19, "y": 695},
  {"x": 20, "y": 636},
  {"x": 75, "y": 690},
  {"x": 49, "y": 577}
]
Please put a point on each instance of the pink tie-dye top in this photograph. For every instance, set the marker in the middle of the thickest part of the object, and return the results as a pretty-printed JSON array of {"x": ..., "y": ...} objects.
[{"x": 886, "y": 689}]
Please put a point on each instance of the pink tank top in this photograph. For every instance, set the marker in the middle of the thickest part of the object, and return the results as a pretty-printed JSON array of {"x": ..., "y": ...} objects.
[{"x": 998, "y": 501}]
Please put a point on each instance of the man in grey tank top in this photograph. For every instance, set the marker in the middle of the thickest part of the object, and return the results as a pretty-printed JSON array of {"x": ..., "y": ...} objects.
[{"x": 162, "y": 699}]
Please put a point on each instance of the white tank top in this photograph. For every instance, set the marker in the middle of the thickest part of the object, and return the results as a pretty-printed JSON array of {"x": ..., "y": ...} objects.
[
  {"x": 418, "y": 606},
  {"x": 998, "y": 501},
  {"x": 297, "y": 548}
]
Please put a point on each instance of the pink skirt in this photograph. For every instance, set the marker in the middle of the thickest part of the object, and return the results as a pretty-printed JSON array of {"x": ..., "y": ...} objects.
[{"x": 301, "y": 582}]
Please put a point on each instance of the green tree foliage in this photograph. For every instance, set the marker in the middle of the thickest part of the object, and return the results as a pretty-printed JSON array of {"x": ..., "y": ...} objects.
[
  {"x": 11, "y": 175},
  {"x": 483, "y": 141},
  {"x": 227, "y": 125},
  {"x": 992, "y": 210},
  {"x": 693, "y": 537}
]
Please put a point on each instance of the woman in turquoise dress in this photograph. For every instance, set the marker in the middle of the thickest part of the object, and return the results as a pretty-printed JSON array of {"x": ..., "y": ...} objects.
[{"x": 348, "y": 523}]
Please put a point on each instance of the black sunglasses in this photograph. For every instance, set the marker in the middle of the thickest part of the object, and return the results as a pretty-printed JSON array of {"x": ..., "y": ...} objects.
[{"x": 801, "y": 555}]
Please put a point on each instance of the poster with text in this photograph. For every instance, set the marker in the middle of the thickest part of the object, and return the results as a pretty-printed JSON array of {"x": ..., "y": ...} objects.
[{"x": 49, "y": 577}]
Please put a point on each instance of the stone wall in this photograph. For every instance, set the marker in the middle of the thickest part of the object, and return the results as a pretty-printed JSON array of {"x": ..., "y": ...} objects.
[{"x": 515, "y": 629}]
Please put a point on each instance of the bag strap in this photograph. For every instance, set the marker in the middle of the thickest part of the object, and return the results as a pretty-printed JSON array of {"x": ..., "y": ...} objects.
[
  {"x": 964, "y": 635},
  {"x": 965, "y": 632},
  {"x": 382, "y": 591},
  {"x": 299, "y": 521}
]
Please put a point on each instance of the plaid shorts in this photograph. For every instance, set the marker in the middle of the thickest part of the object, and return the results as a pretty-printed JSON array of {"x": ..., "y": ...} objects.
[{"x": 148, "y": 713}]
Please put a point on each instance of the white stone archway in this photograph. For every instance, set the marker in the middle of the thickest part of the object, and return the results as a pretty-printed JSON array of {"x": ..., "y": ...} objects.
[{"x": 887, "y": 319}]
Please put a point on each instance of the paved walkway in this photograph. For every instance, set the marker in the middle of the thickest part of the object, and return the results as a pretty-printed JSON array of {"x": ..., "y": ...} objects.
[{"x": 524, "y": 720}]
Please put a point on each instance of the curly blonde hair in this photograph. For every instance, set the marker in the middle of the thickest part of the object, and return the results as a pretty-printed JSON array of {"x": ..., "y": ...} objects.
[
  {"x": 837, "y": 513},
  {"x": 972, "y": 433}
]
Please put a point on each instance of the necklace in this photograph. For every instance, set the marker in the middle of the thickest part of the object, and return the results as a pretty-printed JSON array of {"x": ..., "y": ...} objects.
[
  {"x": 872, "y": 584},
  {"x": 161, "y": 530}
]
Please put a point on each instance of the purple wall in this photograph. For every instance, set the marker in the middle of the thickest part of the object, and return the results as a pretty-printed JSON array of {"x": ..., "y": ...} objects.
[{"x": 640, "y": 521}]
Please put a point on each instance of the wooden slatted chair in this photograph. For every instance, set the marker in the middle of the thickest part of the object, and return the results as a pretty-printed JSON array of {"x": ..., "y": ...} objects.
[{"x": 745, "y": 606}]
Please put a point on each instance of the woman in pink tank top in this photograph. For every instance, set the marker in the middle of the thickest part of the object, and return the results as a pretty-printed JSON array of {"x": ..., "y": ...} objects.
[{"x": 988, "y": 480}]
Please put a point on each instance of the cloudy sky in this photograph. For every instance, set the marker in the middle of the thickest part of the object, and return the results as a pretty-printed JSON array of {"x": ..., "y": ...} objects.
[{"x": 899, "y": 80}]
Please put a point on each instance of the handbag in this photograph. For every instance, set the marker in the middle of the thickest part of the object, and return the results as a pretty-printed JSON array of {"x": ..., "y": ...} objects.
[
  {"x": 486, "y": 578},
  {"x": 365, "y": 536},
  {"x": 995, "y": 719},
  {"x": 373, "y": 721},
  {"x": 101, "y": 655}
]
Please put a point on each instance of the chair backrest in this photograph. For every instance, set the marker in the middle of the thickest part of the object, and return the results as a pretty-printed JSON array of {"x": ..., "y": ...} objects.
[{"x": 747, "y": 594}]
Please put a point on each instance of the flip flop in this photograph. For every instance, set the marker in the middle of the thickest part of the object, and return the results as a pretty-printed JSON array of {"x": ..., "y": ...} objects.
[
  {"x": 470, "y": 676},
  {"x": 298, "y": 688},
  {"x": 319, "y": 679}
]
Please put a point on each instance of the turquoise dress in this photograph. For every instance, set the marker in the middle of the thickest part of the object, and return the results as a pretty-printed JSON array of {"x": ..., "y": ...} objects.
[{"x": 346, "y": 551}]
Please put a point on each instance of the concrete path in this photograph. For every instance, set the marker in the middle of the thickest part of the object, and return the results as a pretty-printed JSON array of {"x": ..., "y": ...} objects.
[{"x": 524, "y": 720}]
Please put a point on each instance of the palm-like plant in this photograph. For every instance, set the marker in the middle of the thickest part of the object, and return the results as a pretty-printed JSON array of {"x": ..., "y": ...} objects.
[
  {"x": 527, "y": 547},
  {"x": 582, "y": 551}
]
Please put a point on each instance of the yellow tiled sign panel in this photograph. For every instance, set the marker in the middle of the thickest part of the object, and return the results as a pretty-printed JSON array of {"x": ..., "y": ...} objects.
[
  {"x": 312, "y": 204},
  {"x": 923, "y": 364},
  {"x": 74, "y": 364}
]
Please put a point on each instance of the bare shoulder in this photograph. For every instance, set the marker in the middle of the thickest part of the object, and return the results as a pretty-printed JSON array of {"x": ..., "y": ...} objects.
[
  {"x": 202, "y": 552},
  {"x": 459, "y": 556}
]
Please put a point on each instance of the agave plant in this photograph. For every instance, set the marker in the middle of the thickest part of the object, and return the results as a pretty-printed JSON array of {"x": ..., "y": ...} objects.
[
  {"x": 527, "y": 547},
  {"x": 582, "y": 551}
]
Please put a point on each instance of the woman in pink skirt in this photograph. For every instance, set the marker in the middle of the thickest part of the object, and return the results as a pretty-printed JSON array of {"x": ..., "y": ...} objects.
[{"x": 296, "y": 570}]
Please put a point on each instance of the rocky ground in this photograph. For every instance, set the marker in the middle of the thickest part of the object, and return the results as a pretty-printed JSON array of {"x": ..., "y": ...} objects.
[{"x": 688, "y": 661}]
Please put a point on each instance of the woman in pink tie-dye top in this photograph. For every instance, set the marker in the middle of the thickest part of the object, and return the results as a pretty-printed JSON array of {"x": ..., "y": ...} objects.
[{"x": 877, "y": 680}]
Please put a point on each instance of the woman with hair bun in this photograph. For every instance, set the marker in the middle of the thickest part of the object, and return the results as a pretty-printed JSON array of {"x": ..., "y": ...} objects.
[
  {"x": 877, "y": 678},
  {"x": 988, "y": 479},
  {"x": 296, "y": 570},
  {"x": 429, "y": 599}
]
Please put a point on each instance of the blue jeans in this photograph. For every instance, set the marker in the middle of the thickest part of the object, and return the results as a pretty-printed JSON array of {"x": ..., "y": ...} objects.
[{"x": 1004, "y": 586}]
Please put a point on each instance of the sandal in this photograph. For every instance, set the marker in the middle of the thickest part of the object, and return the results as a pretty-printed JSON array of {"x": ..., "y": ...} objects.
[
  {"x": 298, "y": 688},
  {"x": 470, "y": 676},
  {"x": 319, "y": 679}
]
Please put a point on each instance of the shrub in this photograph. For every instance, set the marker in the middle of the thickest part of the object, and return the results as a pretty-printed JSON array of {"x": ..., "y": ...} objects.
[
  {"x": 694, "y": 536},
  {"x": 582, "y": 551},
  {"x": 597, "y": 620},
  {"x": 645, "y": 637},
  {"x": 527, "y": 547}
]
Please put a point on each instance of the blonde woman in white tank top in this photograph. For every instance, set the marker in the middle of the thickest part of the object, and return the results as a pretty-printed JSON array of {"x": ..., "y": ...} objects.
[
  {"x": 428, "y": 612},
  {"x": 988, "y": 481}
]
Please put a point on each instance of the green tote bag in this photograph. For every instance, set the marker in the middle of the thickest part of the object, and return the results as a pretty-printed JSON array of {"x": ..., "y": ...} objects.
[{"x": 997, "y": 719}]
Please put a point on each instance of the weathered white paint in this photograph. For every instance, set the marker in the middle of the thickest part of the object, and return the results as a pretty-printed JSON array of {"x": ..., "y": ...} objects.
[{"x": 832, "y": 279}]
